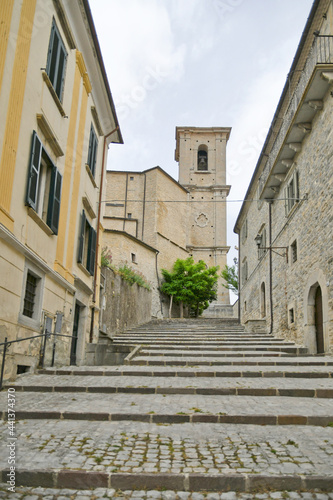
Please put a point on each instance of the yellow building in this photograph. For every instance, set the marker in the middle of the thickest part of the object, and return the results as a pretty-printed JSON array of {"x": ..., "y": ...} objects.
[{"x": 57, "y": 121}]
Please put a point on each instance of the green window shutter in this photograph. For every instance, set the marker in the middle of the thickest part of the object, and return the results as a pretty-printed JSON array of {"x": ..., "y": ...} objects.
[
  {"x": 81, "y": 237},
  {"x": 34, "y": 172},
  {"x": 54, "y": 200},
  {"x": 56, "y": 61},
  {"x": 92, "y": 152},
  {"x": 91, "y": 251},
  {"x": 59, "y": 87}
]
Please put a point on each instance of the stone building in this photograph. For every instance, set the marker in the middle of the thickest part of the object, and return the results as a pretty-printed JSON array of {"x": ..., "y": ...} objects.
[
  {"x": 58, "y": 121},
  {"x": 151, "y": 220},
  {"x": 285, "y": 225}
]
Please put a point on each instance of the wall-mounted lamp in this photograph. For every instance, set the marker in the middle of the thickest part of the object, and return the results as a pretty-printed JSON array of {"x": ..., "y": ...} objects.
[{"x": 258, "y": 240}]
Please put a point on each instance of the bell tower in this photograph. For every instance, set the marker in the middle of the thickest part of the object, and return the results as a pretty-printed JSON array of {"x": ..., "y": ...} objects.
[{"x": 201, "y": 154}]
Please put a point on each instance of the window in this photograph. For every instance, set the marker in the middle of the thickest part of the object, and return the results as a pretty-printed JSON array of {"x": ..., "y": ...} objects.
[
  {"x": 244, "y": 231},
  {"x": 244, "y": 273},
  {"x": 133, "y": 258},
  {"x": 262, "y": 249},
  {"x": 92, "y": 152},
  {"x": 291, "y": 192},
  {"x": 131, "y": 178},
  {"x": 263, "y": 300},
  {"x": 87, "y": 245},
  {"x": 56, "y": 61},
  {"x": 202, "y": 158},
  {"x": 129, "y": 215},
  {"x": 30, "y": 295},
  {"x": 293, "y": 250},
  {"x": 44, "y": 185},
  {"x": 291, "y": 316}
]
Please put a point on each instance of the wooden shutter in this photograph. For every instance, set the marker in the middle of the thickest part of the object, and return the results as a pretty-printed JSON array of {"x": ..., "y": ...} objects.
[
  {"x": 34, "y": 172},
  {"x": 91, "y": 251},
  {"x": 54, "y": 200},
  {"x": 81, "y": 237}
]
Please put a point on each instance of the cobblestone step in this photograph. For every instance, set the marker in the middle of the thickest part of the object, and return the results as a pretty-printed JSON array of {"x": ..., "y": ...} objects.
[
  {"x": 229, "y": 360},
  {"x": 126, "y": 455},
  {"x": 302, "y": 370},
  {"x": 38, "y": 493},
  {"x": 173, "y": 408}
]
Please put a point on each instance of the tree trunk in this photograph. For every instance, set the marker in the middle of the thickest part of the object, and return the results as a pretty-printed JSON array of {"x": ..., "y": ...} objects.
[
  {"x": 170, "y": 306},
  {"x": 181, "y": 310}
]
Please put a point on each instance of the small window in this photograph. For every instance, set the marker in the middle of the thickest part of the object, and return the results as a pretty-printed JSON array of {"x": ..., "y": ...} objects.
[
  {"x": 133, "y": 258},
  {"x": 291, "y": 316},
  {"x": 129, "y": 216},
  {"x": 30, "y": 295},
  {"x": 244, "y": 231},
  {"x": 87, "y": 245},
  {"x": 293, "y": 249},
  {"x": 56, "y": 61},
  {"x": 263, "y": 300},
  {"x": 244, "y": 273},
  {"x": 131, "y": 178},
  {"x": 263, "y": 245},
  {"x": 92, "y": 151},
  {"x": 44, "y": 185},
  {"x": 291, "y": 192}
]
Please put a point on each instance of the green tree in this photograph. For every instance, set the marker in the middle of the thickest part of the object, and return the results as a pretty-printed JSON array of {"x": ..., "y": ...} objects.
[
  {"x": 230, "y": 275},
  {"x": 190, "y": 283}
]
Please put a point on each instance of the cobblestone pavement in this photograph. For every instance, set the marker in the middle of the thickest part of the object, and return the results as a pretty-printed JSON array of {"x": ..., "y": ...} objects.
[
  {"x": 26, "y": 493},
  {"x": 135, "y": 447}
]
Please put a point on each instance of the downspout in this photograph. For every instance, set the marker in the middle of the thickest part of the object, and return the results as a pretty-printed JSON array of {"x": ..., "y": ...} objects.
[
  {"x": 239, "y": 284},
  {"x": 126, "y": 190},
  {"x": 144, "y": 207},
  {"x": 98, "y": 231},
  {"x": 270, "y": 264},
  {"x": 158, "y": 282}
]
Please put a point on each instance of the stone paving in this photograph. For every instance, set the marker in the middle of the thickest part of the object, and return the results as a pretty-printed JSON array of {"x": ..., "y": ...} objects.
[{"x": 140, "y": 451}]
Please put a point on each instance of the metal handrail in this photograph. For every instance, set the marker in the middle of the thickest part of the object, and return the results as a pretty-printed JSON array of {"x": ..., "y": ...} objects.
[{"x": 6, "y": 343}]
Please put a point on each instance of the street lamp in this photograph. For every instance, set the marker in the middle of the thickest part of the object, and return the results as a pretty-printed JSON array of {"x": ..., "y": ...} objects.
[{"x": 258, "y": 240}]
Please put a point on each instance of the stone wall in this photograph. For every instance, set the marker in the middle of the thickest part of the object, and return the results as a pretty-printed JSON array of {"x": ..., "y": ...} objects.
[
  {"x": 306, "y": 228},
  {"x": 123, "y": 306}
]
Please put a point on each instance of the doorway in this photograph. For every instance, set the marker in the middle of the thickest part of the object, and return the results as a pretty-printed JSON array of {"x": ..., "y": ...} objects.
[
  {"x": 318, "y": 310},
  {"x": 75, "y": 334}
]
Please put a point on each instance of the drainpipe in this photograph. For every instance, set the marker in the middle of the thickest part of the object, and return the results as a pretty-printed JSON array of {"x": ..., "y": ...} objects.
[
  {"x": 239, "y": 283},
  {"x": 270, "y": 263},
  {"x": 98, "y": 230},
  {"x": 144, "y": 205},
  {"x": 125, "y": 208}
]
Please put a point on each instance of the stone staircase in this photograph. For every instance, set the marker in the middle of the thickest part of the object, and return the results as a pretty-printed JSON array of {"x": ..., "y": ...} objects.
[{"x": 199, "y": 409}]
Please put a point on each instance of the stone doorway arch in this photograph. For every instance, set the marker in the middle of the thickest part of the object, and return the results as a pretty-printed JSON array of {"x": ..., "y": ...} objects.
[{"x": 316, "y": 314}]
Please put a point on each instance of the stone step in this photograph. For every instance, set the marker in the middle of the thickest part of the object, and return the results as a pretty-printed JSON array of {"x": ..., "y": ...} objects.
[
  {"x": 222, "y": 351},
  {"x": 161, "y": 493},
  {"x": 259, "y": 359},
  {"x": 126, "y": 455},
  {"x": 165, "y": 408}
]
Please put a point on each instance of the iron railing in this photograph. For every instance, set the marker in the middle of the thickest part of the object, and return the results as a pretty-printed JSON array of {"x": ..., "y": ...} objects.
[
  {"x": 321, "y": 53},
  {"x": 46, "y": 336}
]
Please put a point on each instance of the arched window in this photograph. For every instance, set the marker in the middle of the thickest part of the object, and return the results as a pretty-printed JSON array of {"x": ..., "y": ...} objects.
[{"x": 202, "y": 158}]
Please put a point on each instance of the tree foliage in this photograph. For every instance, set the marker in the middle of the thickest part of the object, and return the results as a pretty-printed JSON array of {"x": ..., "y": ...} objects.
[
  {"x": 190, "y": 283},
  {"x": 230, "y": 275}
]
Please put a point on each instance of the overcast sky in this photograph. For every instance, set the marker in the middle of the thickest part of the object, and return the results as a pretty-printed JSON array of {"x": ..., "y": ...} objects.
[{"x": 202, "y": 63}]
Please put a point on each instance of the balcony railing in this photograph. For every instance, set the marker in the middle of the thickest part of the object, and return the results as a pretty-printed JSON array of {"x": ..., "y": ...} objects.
[{"x": 321, "y": 53}]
